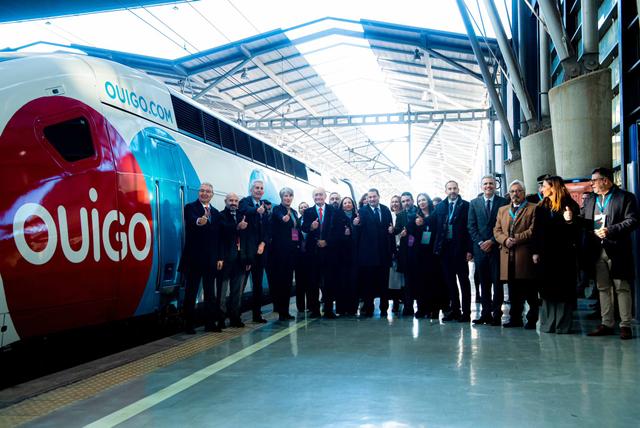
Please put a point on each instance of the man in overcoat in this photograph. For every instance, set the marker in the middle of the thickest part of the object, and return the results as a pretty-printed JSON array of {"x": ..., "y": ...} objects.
[
  {"x": 513, "y": 232},
  {"x": 611, "y": 215}
]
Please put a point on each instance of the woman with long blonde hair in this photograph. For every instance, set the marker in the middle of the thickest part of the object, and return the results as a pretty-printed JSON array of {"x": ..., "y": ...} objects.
[{"x": 555, "y": 240}]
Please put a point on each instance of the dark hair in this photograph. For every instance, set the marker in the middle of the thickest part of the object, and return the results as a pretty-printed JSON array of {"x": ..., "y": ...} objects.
[
  {"x": 373, "y": 189},
  {"x": 363, "y": 201},
  {"x": 604, "y": 172},
  {"x": 353, "y": 204},
  {"x": 406, "y": 194},
  {"x": 451, "y": 181},
  {"x": 429, "y": 203}
]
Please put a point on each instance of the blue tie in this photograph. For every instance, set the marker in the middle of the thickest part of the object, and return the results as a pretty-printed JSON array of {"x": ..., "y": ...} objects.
[
  {"x": 376, "y": 211},
  {"x": 450, "y": 209}
]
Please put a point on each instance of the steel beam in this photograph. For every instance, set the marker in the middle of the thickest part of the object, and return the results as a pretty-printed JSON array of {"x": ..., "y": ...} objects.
[
  {"x": 558, "y": 34},
  {"x": 589, "y": 12},
  {"x": 513, "y": 67},
  {"x": 486, "y": 75},
  {"x": 358, "y": 120}
]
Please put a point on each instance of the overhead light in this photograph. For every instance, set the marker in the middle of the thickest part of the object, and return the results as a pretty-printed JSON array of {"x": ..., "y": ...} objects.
[
  {"x": 417, "y": 55},
  {"x": 288, "y": 108},
  {"x": 244, "y": 76}
]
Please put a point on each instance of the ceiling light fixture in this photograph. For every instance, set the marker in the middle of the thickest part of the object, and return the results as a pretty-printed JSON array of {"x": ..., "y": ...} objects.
[
  {"x": 244, "y": 76},
  {"x": 417, "y": 55}
]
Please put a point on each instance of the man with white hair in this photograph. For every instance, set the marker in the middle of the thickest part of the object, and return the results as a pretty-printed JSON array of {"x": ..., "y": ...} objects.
[
  {"x": 514, "y": 232},
  {"x": 254, "y": 210}
]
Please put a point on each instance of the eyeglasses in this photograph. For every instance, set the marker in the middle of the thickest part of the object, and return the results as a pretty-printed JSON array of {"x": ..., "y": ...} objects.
[
  {"x": 516, "y": 191},
  {"x": 593, "y": 180}
]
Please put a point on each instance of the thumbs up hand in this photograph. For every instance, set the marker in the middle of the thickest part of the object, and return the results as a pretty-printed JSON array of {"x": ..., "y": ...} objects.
[
  {"x": 261, "y": 208},
  {"x": 390, "y": 229},
  {"x": 286, "y": 218},
  {"x": 315, "y": 224},
  {"x": 347, "y": 231},
  {"x": 243, "y": 224},
  {"x": 404, "y": 232},
  {"x": 356, "y": 221},
  {"x": 568, "y": 215},
  {"x": 419, "y": 221}
]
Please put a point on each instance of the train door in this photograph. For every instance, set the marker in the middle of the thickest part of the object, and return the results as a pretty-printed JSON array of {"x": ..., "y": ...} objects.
[{"x": 169, "y": 188}]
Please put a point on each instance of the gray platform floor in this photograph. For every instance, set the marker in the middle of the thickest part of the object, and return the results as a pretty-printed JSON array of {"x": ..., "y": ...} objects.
[{"x": 382, "y": 373}]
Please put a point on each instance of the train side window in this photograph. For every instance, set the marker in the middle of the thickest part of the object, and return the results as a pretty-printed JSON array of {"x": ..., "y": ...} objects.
[
  {"x": 257, "y": 149},
  {"x": 270, "y": 155},
  {"x": 71, "y": 138}
]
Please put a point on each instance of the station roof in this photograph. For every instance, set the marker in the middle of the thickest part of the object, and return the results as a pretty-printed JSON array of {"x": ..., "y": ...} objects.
[{"x": 278, "y": 82}]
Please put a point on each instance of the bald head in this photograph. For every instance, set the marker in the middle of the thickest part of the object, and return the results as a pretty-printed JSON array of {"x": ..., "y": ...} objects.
[{"x": 231, "y": 201}]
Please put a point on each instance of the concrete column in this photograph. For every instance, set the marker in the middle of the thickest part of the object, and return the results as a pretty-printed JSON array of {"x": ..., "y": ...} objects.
[
  {"x": 581, "y": 123},
  {"x": 537, "y": 157},
  {"x": 513, "y": 170}
]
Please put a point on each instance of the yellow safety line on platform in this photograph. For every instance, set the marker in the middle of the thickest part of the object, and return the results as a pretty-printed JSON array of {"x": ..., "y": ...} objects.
[
  {"x": 141, "y": 405},
  {"x": 51, "y": 401}
]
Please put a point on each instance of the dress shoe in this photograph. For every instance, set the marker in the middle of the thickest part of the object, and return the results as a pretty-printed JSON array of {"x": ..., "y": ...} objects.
[
  {"x": 625, "y": 333},
  {"x": 222, "y": 324},
  {"x": 330, "y": 315},
  {"x": 496, "y": 322},
  {"x": 453, "y": 316},
  {"x": 482, "y": 320},
  {"x": 512, "y": 324},
  {"x": 383, "y": 314},
  {"x": 236, "y": 323},
  {"x": 601, "y": 330},
  {"x": 189, "y": 330},
  {"x": 530, "y": 325},
  {"x": 258, "y": 320},
  {"x": 420, "y": 314},
  {"x": 212, "y": 329},
  {"x": 465, "y": 318}
]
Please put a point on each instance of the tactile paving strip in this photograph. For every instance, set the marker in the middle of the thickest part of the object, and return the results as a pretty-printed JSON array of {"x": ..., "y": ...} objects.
[{"x": 49, "y": 402}]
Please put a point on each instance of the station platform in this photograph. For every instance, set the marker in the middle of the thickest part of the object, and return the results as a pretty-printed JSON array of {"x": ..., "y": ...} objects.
[{"x": 358, "y": 372}]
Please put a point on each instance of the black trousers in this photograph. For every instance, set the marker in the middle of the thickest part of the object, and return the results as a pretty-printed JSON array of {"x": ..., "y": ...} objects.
[
  {"x": 281, "y": 282},
  {"x": 212, "y": 311},
  {"x": 457, "y": 267},
  {"x": 488, "y": 269},
  {"x": 519, "y": 291},
  {"x": 233, "y": 272},
  {"x": 257, "y": 274},
  {"x": 319, "y": 279},
  {"x": 374, "y": 282},
  {"x": 303, "y": 291}
]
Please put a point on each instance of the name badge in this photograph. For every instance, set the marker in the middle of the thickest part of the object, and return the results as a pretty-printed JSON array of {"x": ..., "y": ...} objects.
[
  {"x": 411, "y": 240},
  {"x": 295, "y": 236},
  {"x": 450, "y": 231},
  {"x": 599, "y": 221},
  {"x": 426, "y": 238}
]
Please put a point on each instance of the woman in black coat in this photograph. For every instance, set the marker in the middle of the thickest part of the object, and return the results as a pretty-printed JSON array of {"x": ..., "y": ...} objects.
[
  {"x": 556, "y": 234},
  {"x": 424, "y": 268},
  {"x": 347, "y": 303},
  {"x": 286, "y": 237}
]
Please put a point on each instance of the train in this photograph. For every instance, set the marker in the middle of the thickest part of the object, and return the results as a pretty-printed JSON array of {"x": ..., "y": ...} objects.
[{"x": 97, "y": 161}]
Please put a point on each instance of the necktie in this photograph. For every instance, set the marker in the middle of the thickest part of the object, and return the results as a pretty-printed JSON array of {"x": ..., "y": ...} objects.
[
  {"x": 376, "y": 211},
  {"x": 320, "y": 214},
  {"x": 207, "y": 213},
  {"x": 488, "y": 208},
  {"x": 450, "y": 211}
]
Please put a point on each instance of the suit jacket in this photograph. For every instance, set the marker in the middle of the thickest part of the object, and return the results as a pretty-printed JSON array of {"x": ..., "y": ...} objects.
[
  {"x": 374, "y": 242},
  {"x": 403, "y": 250},
  {"x": 480, "y": 226},
  {"x": 522, "y": 231},
  {"x": 231, "y": 237},
  {"x": 461, "y": 241},
  {"x": 258, "y": 224},
  {"x": 283, "y": 248},
  {"x": 621, "y": 221},
  {"x": 325, "y": 232},
  {"x": 203, "y": 244}
]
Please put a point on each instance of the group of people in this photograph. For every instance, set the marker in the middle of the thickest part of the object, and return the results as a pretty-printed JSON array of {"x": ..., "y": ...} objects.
[{"x": 353, "y": 252}]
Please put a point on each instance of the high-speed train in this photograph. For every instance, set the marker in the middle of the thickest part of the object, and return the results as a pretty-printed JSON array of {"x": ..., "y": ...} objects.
[{"x": 97, "y": 161}]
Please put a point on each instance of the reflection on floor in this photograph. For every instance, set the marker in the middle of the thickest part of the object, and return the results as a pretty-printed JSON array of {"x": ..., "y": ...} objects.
[{"x": 392, "y": 372}]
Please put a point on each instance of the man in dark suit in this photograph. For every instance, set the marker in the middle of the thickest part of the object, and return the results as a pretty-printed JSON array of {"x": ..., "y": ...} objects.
[
  {"x": 400, "y": 228},
  {"x": 201, "y": 258},
  {"x": 317, "y": 223},
  {"x": 610, "y": 216},
  {"x": 253, "y": 209},
  {"x": 535, "y": 198},
  {"x": 453, "y": 245},
  {"x": 236, "y": 259},
  {"x": 483, "y": 211},
  {"x": 374, "y": 252}
]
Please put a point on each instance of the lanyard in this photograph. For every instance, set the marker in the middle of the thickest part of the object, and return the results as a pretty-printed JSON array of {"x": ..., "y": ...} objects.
[
  {"x": 515, "y": 214},
  {"x": 601, "y": 206},
  {"x": 540, "y": 196}
]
